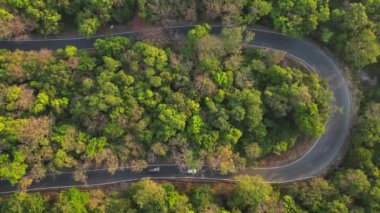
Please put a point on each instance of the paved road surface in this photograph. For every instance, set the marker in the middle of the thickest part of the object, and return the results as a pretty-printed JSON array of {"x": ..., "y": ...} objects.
[{"x": 316, "y": 160}]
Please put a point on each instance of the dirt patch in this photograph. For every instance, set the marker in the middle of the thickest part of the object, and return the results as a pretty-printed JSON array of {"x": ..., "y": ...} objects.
[
  {"x": 294, "y": 153},
  {"x": 138, "y": 23}
]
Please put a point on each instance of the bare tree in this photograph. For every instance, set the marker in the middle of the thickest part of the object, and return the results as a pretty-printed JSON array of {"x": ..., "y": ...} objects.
[
  {"x": 110, "y": 159},
  {"x": 138, "y": 165},
  {"x": 17, "y": 28},
  {"x": 25, "y": 182},
  {"x": 80, "y": 174}
]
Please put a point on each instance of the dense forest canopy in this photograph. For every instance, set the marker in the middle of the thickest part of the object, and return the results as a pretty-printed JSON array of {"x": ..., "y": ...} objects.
[
  {"x": 206, "y": 102},
  {"x": 47, "y": 17},
  {"x": 203, "y": 101},
  {"x": 148, "y": 196},
  {"x": 354, "y": 187},
  {"x": 351, "y": 28}
]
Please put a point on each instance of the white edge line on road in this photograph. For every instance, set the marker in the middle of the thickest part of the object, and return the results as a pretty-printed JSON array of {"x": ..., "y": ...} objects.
[
  {"x": 169, "y": 178},
  {"x": 137, "y": 179}
]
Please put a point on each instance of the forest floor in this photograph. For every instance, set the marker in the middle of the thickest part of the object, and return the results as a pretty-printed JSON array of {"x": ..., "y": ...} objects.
[{"x": 292, "y": 154}]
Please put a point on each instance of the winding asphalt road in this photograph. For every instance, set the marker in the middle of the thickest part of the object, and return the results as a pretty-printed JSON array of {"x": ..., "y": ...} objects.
[{"x": 319, "y": 158}]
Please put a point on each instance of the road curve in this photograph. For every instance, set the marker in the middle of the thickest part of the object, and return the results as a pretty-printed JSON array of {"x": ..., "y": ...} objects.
[{"x": 316, "y": 160}]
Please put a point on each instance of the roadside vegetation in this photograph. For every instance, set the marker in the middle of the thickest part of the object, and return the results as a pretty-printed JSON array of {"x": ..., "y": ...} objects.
[
  {"x": 349, "y": 28},
  {"x": 248, "y": 195},
  {"x": 18, "y": 17},
  {"x": 355, "y": 185}
]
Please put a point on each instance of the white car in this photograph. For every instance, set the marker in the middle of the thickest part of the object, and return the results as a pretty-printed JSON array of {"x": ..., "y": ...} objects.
[
  {"x": 191, "y": 171},
  {"x": 154, "y": 170}
]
